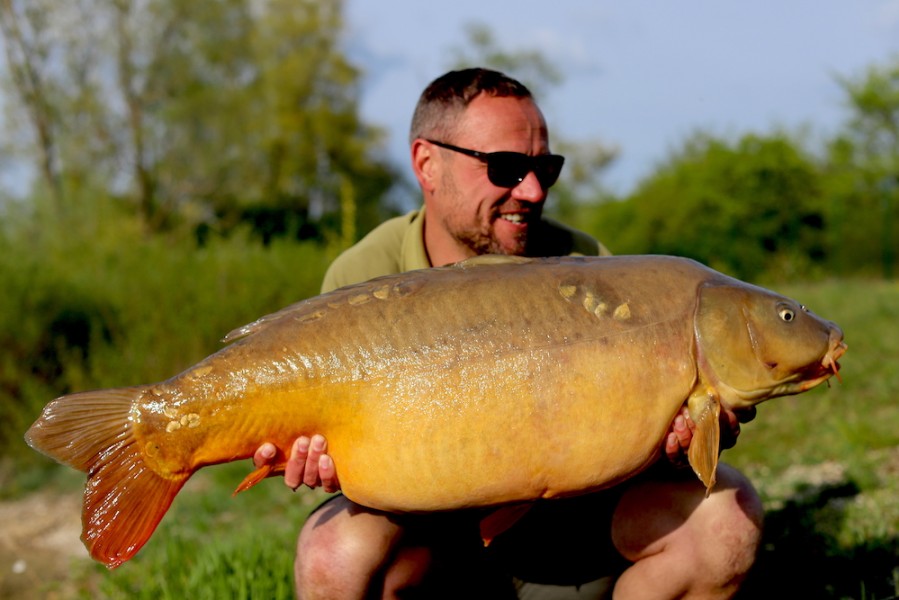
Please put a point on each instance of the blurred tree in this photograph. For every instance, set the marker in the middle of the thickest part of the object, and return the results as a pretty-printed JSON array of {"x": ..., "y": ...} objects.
[
  {"x": 747, "y": 208},
  {"x": 527, "y": 66},
  {"x": 28, "y": 56},
  {"x": 862, "y": 174},
  {"x": 216, "y": 112}
]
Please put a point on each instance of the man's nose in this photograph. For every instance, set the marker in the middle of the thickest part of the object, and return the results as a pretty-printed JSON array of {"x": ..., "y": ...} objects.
[{"x": 529, "y": 189}]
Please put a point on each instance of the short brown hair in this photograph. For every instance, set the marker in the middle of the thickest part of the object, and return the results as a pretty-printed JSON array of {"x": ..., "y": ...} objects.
[{"x": 444, "y": 100}]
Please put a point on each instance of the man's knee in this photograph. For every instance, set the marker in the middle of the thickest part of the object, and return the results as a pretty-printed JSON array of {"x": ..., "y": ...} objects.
[
  {"x": 342, "y": 545},
  {"x": 733, "y": 523},
  {"x": 724, "y": 530},
  {"x": 682, "y": 543},
  {"x": 655, "y": 515}
]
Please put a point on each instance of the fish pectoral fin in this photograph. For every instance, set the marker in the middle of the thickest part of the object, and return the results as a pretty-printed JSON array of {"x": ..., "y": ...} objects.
[
  {"x": 705, "y": 409},
  {"x": 502, "y": 519},
  {"x": 268, "y": 470}
]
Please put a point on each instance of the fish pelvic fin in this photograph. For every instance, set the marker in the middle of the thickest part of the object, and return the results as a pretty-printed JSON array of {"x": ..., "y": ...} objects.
[
  {"x": 268, "y": 470},
  {"x": 124, "y": 500},
  {"x": 705, "y": 409},
  {"x": 502, "y": 519}
]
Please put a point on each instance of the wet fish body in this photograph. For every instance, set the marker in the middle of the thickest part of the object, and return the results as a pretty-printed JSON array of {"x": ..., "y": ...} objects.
[{"x": 419, "y": 377}]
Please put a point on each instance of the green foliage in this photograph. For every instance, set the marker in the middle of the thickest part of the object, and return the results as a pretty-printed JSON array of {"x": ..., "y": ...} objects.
[
  {"x": 195, "y": 112},
  {"x": 94, "y": 302},
  {"x": 767, "y": 206},
  {"x": 874, "y": 124},
  {"x": 527, "y": 65},
  {"x": 747, "y": 208},
  {"x": 862, "y": 174}
]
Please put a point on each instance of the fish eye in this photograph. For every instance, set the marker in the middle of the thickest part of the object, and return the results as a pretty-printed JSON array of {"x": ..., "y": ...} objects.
[{"x": 786, "y": 314}]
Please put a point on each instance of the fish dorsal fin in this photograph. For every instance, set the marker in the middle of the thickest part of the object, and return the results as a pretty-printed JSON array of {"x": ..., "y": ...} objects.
[
  {"x": 502, "y": 519},
  {"x": 705, "y": 409},
  {"x": 492, "y": 259}
]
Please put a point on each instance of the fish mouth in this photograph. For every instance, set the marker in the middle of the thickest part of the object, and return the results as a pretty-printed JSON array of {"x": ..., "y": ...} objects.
[
  {"x": 828, "y": 367},
  {"x": 830, "y": 363},
  {"x": 804, "y": 379}
]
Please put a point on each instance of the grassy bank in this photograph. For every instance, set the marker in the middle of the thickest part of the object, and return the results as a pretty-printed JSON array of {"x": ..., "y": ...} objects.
[
  {"x": 827, "y": 462},
  {"x": 124, "y": 309}
]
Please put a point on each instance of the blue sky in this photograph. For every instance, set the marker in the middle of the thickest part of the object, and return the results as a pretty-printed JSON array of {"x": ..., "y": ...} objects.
[{"x": 640, "y": 75}]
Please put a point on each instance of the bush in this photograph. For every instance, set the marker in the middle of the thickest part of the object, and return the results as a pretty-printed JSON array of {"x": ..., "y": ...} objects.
[{"x": 95, "y": 303}]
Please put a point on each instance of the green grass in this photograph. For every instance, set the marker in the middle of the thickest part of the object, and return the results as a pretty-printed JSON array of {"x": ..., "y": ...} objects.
[
  {"x": 210, "y": 545},
  {"x": 213, "y": 545},
  {"x": 827, "y": 462},
  {"x": 107, "y": 307}
]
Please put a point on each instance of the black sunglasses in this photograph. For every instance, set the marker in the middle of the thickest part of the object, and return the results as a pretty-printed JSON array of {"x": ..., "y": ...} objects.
[{"x": 508, "y": 169}]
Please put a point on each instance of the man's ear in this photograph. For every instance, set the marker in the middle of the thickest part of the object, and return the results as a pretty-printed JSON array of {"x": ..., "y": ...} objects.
[{"x": 423, "y": 164}]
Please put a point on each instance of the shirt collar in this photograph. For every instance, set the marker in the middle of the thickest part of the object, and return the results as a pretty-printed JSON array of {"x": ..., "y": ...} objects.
[{"x": 414, "y": 255}]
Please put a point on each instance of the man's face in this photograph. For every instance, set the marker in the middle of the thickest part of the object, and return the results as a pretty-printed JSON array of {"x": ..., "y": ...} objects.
[{"x": 479, "y": 216}]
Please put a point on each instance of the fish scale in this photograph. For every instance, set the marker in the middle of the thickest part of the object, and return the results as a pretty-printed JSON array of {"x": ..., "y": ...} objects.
[{"x": 443, "y": 388}]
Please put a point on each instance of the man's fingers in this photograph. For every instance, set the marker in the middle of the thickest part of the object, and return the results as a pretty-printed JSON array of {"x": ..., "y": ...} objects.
[
  {"x": 745, "y": 415},
  {"x": 294, "y": 471},
  {"x": 328, "y": 474},
  {"x": 672, "y": 447},
  {"x": 730, "y": 428},
  {"x": 317, "y": 447},
  {"x": 682, "y": 431},
  {"x": 264, "y": 455},
  {"x": 309, "y": 464}
]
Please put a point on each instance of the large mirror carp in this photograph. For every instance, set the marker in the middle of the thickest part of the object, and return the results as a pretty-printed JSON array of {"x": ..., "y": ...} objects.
[{"x": 416, "y": 378}]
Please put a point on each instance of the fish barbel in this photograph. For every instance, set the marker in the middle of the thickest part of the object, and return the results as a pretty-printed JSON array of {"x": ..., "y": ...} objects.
[{"x": 413, "y": 378}]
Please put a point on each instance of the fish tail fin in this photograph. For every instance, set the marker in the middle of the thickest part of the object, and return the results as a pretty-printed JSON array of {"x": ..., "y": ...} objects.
[{"x": 124, "y": 499}]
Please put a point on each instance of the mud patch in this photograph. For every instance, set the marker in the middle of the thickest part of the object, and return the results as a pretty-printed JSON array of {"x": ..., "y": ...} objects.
[{"x": 40, "y": 546}]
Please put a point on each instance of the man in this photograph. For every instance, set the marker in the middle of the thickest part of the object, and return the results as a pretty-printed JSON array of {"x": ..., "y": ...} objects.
[{"x": 480, "y": 153}]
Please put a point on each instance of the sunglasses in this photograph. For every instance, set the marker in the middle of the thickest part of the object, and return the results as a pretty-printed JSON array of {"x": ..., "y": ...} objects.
[{"x": 508, "y": 169}]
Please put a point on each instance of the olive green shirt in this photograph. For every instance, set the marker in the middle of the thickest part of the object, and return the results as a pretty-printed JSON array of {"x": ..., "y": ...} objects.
[{"x": 398, "y": 245}]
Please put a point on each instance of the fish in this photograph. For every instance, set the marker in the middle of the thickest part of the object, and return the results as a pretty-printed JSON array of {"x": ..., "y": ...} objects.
[{"x": 417, "y": 377}]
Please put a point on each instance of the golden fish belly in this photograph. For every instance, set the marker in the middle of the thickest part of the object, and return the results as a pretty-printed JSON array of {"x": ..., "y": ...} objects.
[
  {"x": 549, "y": 395},
  {"x": 477, "y": 437}
]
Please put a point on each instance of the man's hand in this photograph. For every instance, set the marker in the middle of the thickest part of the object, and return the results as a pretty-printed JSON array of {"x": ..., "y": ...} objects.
[
  {"x": 678, "y": 440},
  {"x": 308, "y": 463},
  {"x": 730, "y": 424}
]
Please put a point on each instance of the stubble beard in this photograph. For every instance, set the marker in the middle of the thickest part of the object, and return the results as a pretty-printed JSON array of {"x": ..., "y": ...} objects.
[
  {"x": 483, "y": 241},
  {"x": 477, "y": 236}
]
